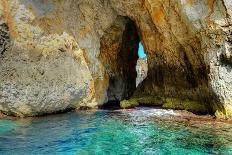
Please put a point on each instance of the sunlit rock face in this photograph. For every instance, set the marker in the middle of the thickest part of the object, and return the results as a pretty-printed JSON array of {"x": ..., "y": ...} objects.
[
  {"x": 141, "y": 69},
  {"x": 62, "y": 54}
]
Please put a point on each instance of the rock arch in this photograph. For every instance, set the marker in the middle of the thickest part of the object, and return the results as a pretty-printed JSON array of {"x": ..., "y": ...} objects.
[
  {"x": 119, "y": 55},
  {"x": 58, "y": 46}
]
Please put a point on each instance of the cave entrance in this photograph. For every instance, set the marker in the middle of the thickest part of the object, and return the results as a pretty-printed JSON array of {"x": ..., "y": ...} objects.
[{"x": 123, "y": 57}]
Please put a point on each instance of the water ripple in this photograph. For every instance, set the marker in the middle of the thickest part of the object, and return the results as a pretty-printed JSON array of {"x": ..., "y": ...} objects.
[{"x": 140, "y": 131}]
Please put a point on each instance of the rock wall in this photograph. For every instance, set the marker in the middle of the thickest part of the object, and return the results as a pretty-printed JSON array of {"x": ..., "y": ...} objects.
[
  {"x": 63, "y": 54},
  {"x": 141, "y": 69}
]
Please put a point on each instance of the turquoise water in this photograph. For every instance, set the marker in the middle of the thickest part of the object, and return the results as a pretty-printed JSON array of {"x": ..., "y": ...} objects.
[{"x": 141, "y": 131}]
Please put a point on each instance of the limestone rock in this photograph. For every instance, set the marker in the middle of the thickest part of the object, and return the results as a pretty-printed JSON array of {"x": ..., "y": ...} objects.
[
  {"x": 62, "y": 54},
  {"x": 40, "y": 72},
  {"x": 141, "y": 69}
]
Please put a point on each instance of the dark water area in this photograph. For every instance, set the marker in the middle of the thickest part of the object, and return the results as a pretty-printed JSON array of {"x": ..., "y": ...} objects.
[{"x": 141, "y": 131}]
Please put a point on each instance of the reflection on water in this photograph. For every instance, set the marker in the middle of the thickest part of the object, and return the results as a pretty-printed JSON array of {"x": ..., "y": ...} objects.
[{"x": 141, "y": 131}]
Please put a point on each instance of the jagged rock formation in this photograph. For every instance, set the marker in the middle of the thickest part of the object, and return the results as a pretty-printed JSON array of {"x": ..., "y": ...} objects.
[
  {"x": 63, "y": 54},
  {"x": 141, "y": 69}
]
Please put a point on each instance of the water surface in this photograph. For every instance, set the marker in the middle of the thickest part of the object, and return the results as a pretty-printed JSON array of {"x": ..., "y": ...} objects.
[{"x": 141, "y": 131}]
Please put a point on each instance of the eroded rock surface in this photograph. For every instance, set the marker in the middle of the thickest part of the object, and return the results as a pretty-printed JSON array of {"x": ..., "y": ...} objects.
[
  {"x": 141, "y": 69},
  {"x": 62, "y": 54}
]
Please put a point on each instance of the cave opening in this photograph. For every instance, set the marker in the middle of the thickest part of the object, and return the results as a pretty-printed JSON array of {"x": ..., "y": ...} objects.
[
  {"x": 141, "y": 67},
  {"x": 129, "y": 63}
]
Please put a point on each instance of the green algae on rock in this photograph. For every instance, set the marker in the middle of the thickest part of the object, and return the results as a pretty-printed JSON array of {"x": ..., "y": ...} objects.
[
  {"x": 150, "y": 100},
  {"x": 131, "y": 103},
  {"x": 167, "y": 103},
  {"x": 142, "y": 101},
  {"x": 224, "y": 113},
  {"x": 178, "y": 104}
]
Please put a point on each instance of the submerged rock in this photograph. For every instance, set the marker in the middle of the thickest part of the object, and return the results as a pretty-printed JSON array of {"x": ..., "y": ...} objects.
[{"x": 66, "y": 54}]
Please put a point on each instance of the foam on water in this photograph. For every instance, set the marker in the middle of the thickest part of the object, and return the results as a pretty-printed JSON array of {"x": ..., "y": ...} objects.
[{"x": 148, "y": 112}]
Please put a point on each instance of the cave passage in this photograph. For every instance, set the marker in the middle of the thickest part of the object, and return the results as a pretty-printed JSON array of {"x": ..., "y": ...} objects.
[{"x": 131, "y": 67}]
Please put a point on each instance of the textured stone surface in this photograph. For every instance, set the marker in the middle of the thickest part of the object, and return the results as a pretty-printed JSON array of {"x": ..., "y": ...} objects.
[
  {"x": 119, "y": 56},
  {"x": 141, "y": 69},
  {"x": 60, "y": 52},
  {"x": 40, "y": 72}
]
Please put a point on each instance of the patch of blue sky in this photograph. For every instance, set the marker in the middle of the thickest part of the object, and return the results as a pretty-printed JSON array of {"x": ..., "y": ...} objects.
[{"x": 141, "y": 51}]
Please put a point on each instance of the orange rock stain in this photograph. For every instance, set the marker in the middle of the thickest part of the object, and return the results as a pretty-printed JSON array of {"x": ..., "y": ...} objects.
[
  {"x": 210, "y": 4},
  {"x": 8, "y": 18},
  {"x": 158, "y": 15},
  {"x": 190, "y": 2}
]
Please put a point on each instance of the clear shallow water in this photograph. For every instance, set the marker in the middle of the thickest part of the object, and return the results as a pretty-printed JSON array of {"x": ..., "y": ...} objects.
[{"x": 141, "y": 131}]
